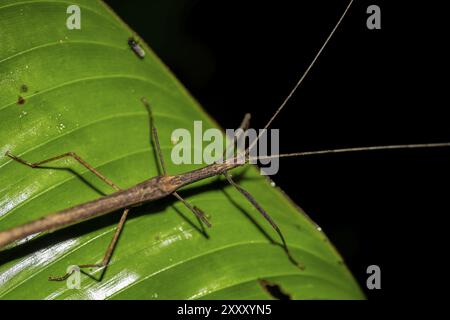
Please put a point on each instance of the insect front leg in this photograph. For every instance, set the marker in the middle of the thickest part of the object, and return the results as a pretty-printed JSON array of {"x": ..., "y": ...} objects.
[
  {"x": 266, "y": 216},
  {"x": 155, "y": 140}
]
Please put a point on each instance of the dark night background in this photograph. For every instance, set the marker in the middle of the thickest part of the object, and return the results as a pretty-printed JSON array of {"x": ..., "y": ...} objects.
[{"x": 370, "y": 87}]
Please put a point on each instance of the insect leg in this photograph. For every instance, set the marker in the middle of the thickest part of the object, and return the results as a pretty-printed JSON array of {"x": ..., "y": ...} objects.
[
  {"x": 108, "y": 253},
  {"x": 155, "y": 140},
  {"x": 65, "y": 155},
  {"x": 199, "y": 213},
  {"x": 265, "y": 215}
]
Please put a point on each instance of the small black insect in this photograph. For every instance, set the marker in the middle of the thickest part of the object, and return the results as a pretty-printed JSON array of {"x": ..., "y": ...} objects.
[{"x": 134, "y": 45}]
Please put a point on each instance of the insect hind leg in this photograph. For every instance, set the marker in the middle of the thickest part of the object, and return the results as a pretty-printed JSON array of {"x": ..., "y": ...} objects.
[
  {"x": 61, "y": 156},
  {"x": 109, "y": 251}
]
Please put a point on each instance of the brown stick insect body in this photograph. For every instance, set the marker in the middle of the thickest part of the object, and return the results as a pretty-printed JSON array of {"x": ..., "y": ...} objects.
[
  {"x": 149, "y": 190},
  {"x": 165, "y": 185}
]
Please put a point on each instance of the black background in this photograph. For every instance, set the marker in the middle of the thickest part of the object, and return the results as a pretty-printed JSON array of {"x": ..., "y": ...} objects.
[{"x": 370, "y": 87}]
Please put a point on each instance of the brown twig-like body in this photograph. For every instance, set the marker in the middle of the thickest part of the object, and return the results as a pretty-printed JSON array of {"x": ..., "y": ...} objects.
[{"x": 149, "y": 190}]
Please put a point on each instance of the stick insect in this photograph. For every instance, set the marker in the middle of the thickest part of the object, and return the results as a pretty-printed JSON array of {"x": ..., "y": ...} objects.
[{"x": 166, "y": 185}]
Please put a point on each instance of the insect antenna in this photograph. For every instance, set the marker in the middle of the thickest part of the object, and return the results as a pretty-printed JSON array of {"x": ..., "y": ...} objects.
[
  {"x": 355, "y": 149},
  {"x": 328, "y": 151},
  {"x": 302, "y": 78}
]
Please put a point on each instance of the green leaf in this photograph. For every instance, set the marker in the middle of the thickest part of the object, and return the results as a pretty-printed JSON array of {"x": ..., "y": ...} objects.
[{"x": 79, "y": 90}]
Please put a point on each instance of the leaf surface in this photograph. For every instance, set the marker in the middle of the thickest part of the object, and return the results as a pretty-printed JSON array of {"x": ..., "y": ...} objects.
[{"x": 79, "y": 90}]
